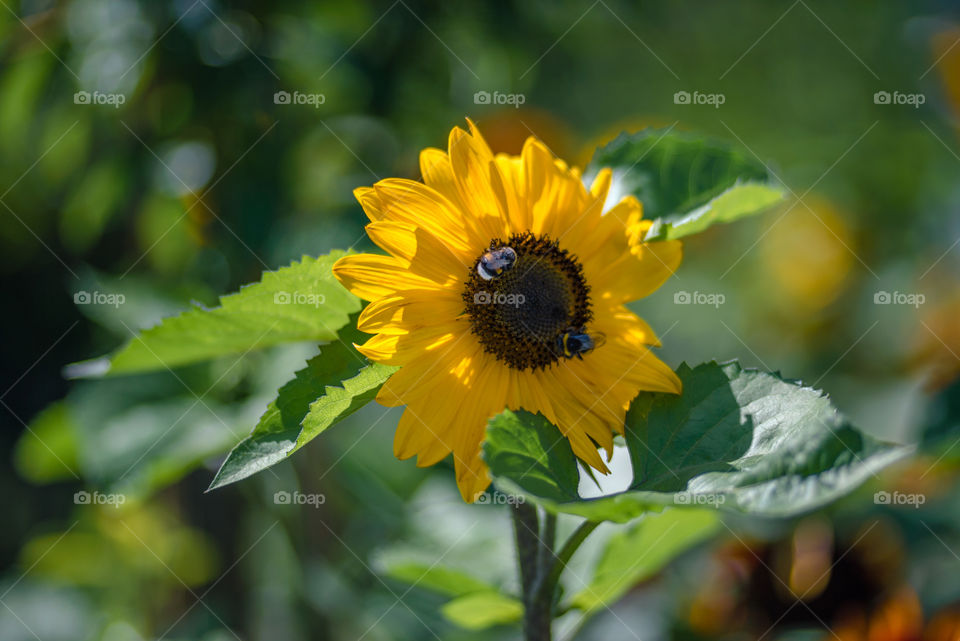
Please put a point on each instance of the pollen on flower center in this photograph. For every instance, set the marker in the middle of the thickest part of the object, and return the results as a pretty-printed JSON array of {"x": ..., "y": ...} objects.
[{"x": 519, "y": 313}]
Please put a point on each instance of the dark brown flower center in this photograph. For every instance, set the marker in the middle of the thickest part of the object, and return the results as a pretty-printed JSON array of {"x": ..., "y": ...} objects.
[{"x": 519, "y": 312}]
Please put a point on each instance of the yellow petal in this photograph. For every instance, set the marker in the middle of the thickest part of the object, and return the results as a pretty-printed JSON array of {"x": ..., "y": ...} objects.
[
  {"x": 601, "y": 184},
  {"x": 400, "y": 349},
  {"x": 472, "y": 164},
  {"x": 368, "y": 199},
  {"x": 415, "y": 203},
  {"x": 371, "y": 276},
  {"x": 422, "y": 252},
  {"x": 409, "y": 311},
  {"x": 620, "y": 321},
  {"x": 632, "y": 276},
  {"x": 511, "y": 171},
  {"x": 438, "y": 173}
]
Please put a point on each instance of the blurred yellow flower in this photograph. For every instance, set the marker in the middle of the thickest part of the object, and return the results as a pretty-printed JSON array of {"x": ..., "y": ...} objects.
[{"x": 809, "y": 254}]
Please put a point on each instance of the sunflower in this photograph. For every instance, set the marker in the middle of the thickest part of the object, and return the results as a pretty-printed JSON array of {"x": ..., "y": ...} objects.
[{"x": 504, "y": 287}]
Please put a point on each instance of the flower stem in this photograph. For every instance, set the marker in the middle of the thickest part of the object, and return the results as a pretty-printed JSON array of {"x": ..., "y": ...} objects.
[
  {"x": 526, "y": 527},
  {"x": 541, "y": 567}
]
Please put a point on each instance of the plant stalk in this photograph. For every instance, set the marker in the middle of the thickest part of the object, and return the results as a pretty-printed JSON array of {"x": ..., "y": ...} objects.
[
  {"x": 541, "y": 567},
  {"x": 537, "y": 614}
]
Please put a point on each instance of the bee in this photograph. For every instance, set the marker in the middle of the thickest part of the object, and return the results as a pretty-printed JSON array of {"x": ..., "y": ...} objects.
[
  {"x": 576, "y": 342},
  {"x": 496, "y": 261}
]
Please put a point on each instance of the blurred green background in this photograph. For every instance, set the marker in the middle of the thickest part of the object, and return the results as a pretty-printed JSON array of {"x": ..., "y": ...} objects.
[{"x": 145, "y": 163}]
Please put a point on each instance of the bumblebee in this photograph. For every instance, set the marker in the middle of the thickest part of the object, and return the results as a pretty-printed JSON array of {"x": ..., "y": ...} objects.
[
  {"x": 495, "y": 261},
  {"x": 576, "y": 342}
]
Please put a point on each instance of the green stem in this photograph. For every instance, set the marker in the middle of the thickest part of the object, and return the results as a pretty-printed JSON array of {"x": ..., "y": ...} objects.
[
  {"x": 547, "y": 540},
  {"x": 525, "y": 529},
  {"x": 537, "y": 613},
  {"x": 549, "y": 584},
  {"x": 540, "y": 567}
]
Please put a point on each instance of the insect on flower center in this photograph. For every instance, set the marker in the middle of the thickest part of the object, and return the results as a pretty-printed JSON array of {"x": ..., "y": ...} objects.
[{"x": 523, "y": 296}]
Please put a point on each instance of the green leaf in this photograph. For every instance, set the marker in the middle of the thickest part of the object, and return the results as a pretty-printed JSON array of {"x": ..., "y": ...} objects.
[
  {"x": 334, "y": 384},
  {"x": 302, "y": 302},
  {"x": 340, "y": 402},
  {"x": 441, "y": 579},
  {"x": 686, "y": 182},
  {"x": 48, "y": 450},
  {"x": 482, "y": 610},
  {"x": 672, "y": 172},
  {"x": 735, "y": 439},
  {"x": 153, "y": 445},
  {"x": 531, "y": 452},
  {"x": 738, "y": 201},
  {"x": 642, "y": 550},
  {"x": 775, "y": 444},
  {"x": 133, "y": 435}
]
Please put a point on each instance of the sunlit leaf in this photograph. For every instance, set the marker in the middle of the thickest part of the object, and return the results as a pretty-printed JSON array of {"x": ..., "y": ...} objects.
[
  {"x": 333, "y": 385},
  {"x": 438, "y": 578},
  {"x": 302, "y": 302},
  {"x": 640, "y": 551},
  {"x": 737, "y": 202},
  {"x": 686, "y": 182},
  {"x": 482, "y": 610},
  {"x": 47, "y": 451}
]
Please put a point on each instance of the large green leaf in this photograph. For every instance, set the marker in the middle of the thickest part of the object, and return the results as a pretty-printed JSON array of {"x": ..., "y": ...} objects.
[
  {"x": 640, "y": 551},
  {"x": 302, "y": 302},
  {"x": 738, "y": 201},
  {"x": 530, "y": 451},
  {"x": 686, "y": 182},
  {"x": 333, "y": 385},
  {"x": 735, "y": 439},
  {"x": 481, "y": 610}
]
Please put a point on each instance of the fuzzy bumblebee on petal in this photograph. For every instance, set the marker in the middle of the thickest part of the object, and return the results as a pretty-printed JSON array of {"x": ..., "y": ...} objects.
[{"x": 504, "y": 287}]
